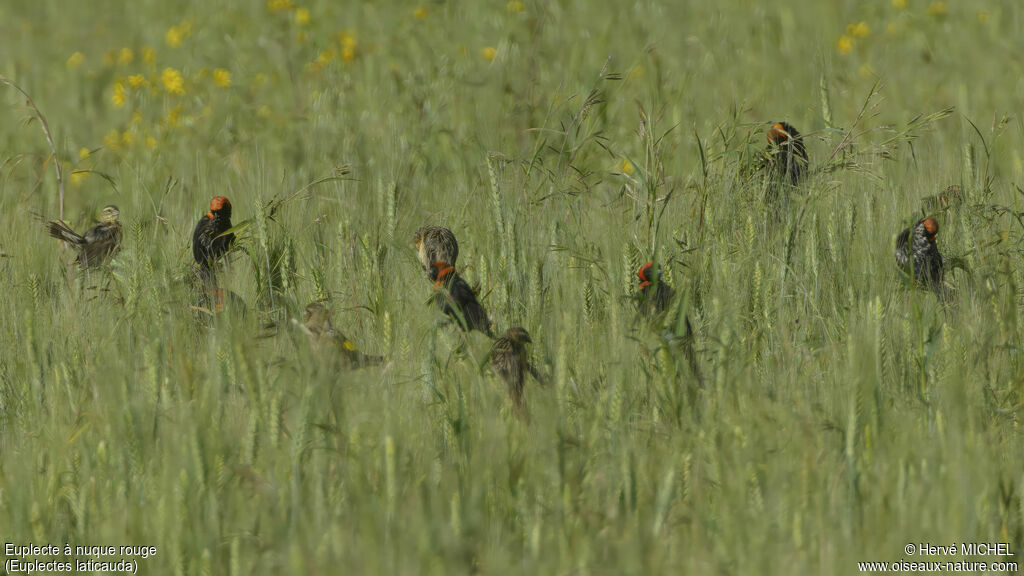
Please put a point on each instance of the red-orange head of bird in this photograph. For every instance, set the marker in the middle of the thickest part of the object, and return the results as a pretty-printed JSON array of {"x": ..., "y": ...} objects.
[
  {"x": 219, "y": 205},
  {"x": 931, "y": 228},
  {"x": 645, "y": 275},
  {"x": 781, "y": 131},
  {"x": 439, "y": 271}
]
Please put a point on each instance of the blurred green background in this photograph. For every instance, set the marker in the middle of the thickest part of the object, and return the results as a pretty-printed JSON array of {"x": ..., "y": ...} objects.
[{"x": 565, "y": 143}]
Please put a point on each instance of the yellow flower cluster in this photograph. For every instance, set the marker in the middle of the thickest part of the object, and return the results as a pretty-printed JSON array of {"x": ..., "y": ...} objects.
[
  {"x": 280, "y": 5},
  {"x": 173, "y": 82},
  {"x": 489, "y": 53},
  {"x": 847, "y": 41},
  {"x": 177, "y": 34}
]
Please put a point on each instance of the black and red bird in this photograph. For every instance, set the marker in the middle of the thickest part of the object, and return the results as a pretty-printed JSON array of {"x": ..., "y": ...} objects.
[
  {"x": 209, "y": 242},
  {"x": 918, "y": 255},
  {"x": 98, "y": 244},
  {"x": 654, "y": 298},
  {"x": 453, "y": 296},
  {"x": 653, "y": 295},
  {"x": 786, "y": 156}
]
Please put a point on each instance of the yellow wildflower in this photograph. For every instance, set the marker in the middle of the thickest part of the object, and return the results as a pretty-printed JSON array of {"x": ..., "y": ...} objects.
[
  {"x": 982, "y": 17},
  {"x": 173, "y": 82},
  {"x": 148, "y": 55},
  {"x": 315, "y": 66},
  {"x": 171, "y": 120},
  {"x": 118, "y": 97},
  {"x": 844, "y": 44},
  {"x": 75, "y": 60},
  {"x": 79, "y": 176},
  {"x": 302, "y": 16},
  {"x": 125, "y": 56},
  {"x": 136, "y": 80},
  {"x": 420, "y": 13},
  {"x": 264, "y": 111},
  {"x": 83, "y": 153},
  {"x": 866, "y": 71},
  {"x": 136, "y": 117},
  {"x": 280, "y": 5},
  {"x": 150, "y": 141},
  {"x": 222, "y": 77},
  {"x": 489, "y": 53},
  {"x": 173, "y": 38},
  {"x": 899, "y": 4},
  {"x": 938, "y": 9},
  {"x": 112, "y": 140},
  {"x": 127, "y": 138},
  {"x": 348, "y": 46},
  {"x": 515, "y": 6},
  {"x": 858, "y": 30},
  {"x": 626, "y": 167}
]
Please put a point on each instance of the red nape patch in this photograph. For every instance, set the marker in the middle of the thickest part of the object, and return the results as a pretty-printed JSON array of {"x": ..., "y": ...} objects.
[
  {"x": 218, "y": 202},
  {"x": 931, "y": 228},
  {"x": 642, "y": 274},
  {"x": 777, "y": 132},
  {"x": 443, "y": 269}
]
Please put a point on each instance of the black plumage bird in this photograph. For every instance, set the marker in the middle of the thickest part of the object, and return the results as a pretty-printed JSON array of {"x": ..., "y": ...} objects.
[
  {"x": 98, "y": 244},
  {"x": 454, "y": 297},
  {"x": 786, "y": 157},
  {"x": 209, "y": 243},
  {"x": 654, "y": 297},
  {"x": 918, "y": 255}
]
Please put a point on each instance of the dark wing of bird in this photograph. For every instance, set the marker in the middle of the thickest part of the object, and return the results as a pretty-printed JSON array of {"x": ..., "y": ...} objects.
[{"x": 101, "y": 241}]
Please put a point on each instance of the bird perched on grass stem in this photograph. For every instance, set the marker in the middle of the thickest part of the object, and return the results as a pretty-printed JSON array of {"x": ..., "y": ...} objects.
[
  {"x": 511, "y": 363},
  {"x": 453, "y": 296},
  {"x": 435, "y": 244},
  {"x": 322, "y": 334},
  {"x": 785, "y": 158},
  {"x": 918, "y": 256},
  {"x": 209, "y": 242},
  {"x": 99, "y": 243}
]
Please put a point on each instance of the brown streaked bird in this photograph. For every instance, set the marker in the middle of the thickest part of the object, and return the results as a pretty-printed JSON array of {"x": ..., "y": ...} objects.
[
  {"x": 453, "y": 296},
  {"x": 511, "y": 363},
  {"x": 209, "y": 242},
  {"x": 950, "y": 198},
  {"x": 99, "y": 243},
  {"x": 654, "y": 297},
  {"x": 919, "y": 257},
  {"x": 786, "y": 156},
  {"x": 435, "y": 244},
  {"x": 323, "y": 334}
]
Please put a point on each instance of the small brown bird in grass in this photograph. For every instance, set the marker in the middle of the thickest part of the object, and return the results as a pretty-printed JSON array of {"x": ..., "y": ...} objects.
[
  {"x": 435, "y": 244},
  {"x": 511, "y": 363},
  {"x": 654, "y": 297},
  {"x": 453, "y": 296},
  {"x": 208, "y": 244},
  {"x": 323, "y": 335},
  {"x": 949, "y": 199},
  {"x": 918, "y": 256},
  {"x": 99, "y": 243},
  {"x": 786, "y": 156}
]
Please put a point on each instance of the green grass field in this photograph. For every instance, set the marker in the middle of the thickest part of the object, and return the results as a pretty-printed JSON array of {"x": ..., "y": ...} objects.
[{"x": 845, "y": 414}]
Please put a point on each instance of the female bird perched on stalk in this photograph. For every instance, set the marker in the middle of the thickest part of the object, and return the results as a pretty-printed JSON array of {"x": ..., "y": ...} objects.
[
  {"x": 918, "y": 255},
  {"x": 99, "y": 243},
  {"x": 209, "y": 242},
  {"x": 435, "y": 244},
  {"x": 453, "y": 296},
  {"x": 511, "y": 363},
  {"x": 786, "y": 156},
  {"x": 322, "y": 333}
]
